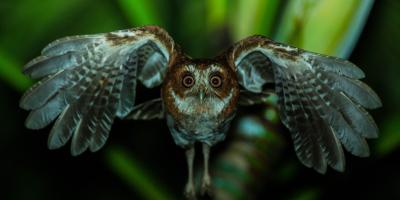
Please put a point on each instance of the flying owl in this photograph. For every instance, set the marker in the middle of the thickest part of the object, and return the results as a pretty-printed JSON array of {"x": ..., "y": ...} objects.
[{"x": 88, "y": 81}]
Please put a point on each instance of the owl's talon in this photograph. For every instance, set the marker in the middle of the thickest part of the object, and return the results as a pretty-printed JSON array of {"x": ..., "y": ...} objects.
[
  {"x": 206, "y": 186},
  {"x": 190, "y": 192}
]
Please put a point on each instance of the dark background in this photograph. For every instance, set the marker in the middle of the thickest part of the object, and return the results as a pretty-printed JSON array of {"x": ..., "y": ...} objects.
[{"x": 140, "y": 159}]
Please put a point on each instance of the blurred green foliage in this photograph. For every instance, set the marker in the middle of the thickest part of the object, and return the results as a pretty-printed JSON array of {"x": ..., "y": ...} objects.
[
  {"x": 141, "y": 12},
  {"x": 306, "y": 194},
  {"x": 325, "y": 26},
  {"x": 131, "y": 171},
  {"x": 329, "y": 27},
  {"x": 10, "y": 72},
  {"x": 391, "y": 138},
  {"x": 253, "y": 17}
]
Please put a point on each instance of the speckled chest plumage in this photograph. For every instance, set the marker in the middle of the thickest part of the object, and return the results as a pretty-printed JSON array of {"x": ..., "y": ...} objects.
[
  {"x": 200, "y": 113},
  {"x": 198, "y": 128}
]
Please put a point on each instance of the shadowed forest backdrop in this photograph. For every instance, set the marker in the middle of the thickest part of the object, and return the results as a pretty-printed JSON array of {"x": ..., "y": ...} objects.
[{"x": 140, "y": 160}]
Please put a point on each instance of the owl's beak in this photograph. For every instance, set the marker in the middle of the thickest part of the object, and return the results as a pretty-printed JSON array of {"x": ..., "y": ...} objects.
[{"x": 202, "y": 94}]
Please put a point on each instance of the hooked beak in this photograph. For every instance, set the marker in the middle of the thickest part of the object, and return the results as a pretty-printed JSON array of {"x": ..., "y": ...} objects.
[{"x": 202, "y": 94}]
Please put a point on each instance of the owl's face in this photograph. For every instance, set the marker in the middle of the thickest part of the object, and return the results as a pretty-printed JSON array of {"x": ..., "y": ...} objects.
[{"x": 201, "y": 88}]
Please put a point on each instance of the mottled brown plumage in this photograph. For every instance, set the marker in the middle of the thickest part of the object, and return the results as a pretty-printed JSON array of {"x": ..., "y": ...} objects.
[{"x": 87, "y": 81}]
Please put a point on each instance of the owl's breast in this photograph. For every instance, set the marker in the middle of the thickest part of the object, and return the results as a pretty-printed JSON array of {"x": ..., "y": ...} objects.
[
  {"x": 191, "y": 129},
  {"x": 193, "y": 119}
]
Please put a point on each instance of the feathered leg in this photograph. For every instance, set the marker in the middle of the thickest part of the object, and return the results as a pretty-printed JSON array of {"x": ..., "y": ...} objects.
[
  {"x": 206, "y": 181},
  {"x": 190, "y": 192}
]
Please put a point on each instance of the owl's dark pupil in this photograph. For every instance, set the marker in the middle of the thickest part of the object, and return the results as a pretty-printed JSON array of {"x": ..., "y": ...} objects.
[
  {"x": 215, "y": 81},
  {"x": 188, "y": 81}
]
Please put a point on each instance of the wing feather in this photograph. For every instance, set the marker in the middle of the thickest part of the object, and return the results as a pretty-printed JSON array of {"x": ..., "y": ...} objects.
[
  {"x": 43, "y": 90},
  {"x": 329, "y": 143},
  {"x": 44, "y": 115},
  {"x": 334, "y": 64},
  {"x": 248, "y": 98},
  {"x": 352, "y": 141},
  {"x": 147, "y": 110},
  {"x": 357, "y": 90},
  {"x": 297, "y": 120},
  {"x": 321, "y": 100},
  {"x": 72, "y": 44},
  {"x": 89, "y": 80},
  {"x": 128, "y": 93},
  {"x": 70, "y": 121},
  {"x": 44, "y": 65}
]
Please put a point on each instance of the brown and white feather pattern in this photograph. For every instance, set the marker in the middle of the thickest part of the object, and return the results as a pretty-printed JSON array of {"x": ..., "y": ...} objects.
[
  {"x": 89, "y": 80},
  {"x": 152, "y": 109},
  {"x": 321, "y": 99}
]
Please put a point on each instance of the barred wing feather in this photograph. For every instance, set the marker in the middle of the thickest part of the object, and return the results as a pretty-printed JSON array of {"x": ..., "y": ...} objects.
[
  {"x": 87, "y": 81},
  {"x": 321, "y": 100}
]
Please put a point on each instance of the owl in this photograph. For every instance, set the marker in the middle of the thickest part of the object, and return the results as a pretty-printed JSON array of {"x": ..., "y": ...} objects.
[{"x": 88, "y": 81}]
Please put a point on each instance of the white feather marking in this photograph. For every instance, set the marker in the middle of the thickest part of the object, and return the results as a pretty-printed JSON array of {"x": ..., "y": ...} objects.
[
  {"x": 190, "y": 105},
  {"x": 300, "y": 62}
]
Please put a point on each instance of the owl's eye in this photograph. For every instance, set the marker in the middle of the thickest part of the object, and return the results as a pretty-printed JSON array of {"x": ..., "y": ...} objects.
[
  {"x": 188, "y": 81},
  {"x": 216, "y": 81}
]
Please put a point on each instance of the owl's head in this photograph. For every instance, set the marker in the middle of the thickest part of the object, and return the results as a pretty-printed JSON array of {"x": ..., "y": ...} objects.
[{"x": 201, "y": 87}]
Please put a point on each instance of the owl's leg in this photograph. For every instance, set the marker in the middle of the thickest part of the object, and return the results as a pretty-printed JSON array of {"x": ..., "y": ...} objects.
[
  {"x": 206, "y": 180},
  {"x": 190, "y": 192}
]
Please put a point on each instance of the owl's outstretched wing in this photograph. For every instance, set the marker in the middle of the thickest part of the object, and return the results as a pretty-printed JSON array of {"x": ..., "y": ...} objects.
[
  {"x": 321, "y": 100},
  {"x": 89, "y": 80}
]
